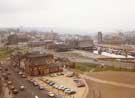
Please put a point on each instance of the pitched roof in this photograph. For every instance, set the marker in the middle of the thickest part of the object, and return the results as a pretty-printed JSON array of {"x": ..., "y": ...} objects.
[{"x": 38, "y": 59}]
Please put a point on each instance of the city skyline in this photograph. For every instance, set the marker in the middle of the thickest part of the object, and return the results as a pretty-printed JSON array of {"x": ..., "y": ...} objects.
[{"x": 69, "y": 15}]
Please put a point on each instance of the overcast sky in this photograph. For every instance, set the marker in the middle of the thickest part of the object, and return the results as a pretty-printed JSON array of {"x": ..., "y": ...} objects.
[{"x": 88, "y": 15}]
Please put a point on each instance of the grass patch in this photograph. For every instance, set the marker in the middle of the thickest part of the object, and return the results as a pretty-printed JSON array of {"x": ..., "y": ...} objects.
[
  {"x": 5, "y": 53},
  {"x": 74, "y": 55},
  {"x": 112, "y": 68},
  {"x": 87, "y": 67},
  {"x": 22, "y": 50}
]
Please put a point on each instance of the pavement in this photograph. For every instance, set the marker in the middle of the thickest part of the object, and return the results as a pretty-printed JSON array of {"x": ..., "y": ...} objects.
[
  {"x": 81, "y": 92},
  {"x": 69, "y": 83}
]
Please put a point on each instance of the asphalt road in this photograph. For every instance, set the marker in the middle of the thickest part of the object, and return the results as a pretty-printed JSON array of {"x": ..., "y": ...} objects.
[{"x": 30, "y": 90}]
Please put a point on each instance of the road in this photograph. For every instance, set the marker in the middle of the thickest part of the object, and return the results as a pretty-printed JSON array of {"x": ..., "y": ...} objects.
[{"x": 30, "y": 90}]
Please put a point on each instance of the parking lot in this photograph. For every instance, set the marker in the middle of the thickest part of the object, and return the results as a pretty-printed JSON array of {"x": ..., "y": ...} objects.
[{"x": 63, "y": 85}]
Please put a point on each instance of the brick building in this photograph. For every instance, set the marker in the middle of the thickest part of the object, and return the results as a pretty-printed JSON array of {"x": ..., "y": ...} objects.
[
  {"x": 36, "y": 64},
  {"x": 41, "y": 64}
]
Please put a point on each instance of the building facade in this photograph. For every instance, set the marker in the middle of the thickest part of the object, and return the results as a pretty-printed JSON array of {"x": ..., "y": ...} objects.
[
  {"x": 36, "y": 64},
  {"x": 85, "y": 44},
  {"x": 100, "y": 38},
  {"x": 41, "y": 64}
]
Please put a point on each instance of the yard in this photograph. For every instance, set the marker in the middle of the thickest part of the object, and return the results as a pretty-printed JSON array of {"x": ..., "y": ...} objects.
[{"x": 108, "y": 90}]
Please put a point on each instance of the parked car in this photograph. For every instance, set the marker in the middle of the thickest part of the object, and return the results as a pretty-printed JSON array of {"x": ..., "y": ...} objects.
[
  {"x": 41, "y": 87},
  {"x": 56, "y": 86},
  {"x": 71, "y": 74},
  {"x": 4, "y": 74},
  {"x": 36, "y": 97},
  {"x": 22, "y": 87},
  {"x": 61, "y": 73},
  {"x": 11, "y": 87},
  {"x": 55, "y": 75},
  {"x": 35, "y": 84},
  {"x": 6, "y": 77},
  {"x": 20, "y": 73},
  {"x": 6, "y": 69},
  {"x": 51, "y": 75},
  {"x": 61, "y": 87},
  {"x": 48, "y": 81},
  {"x": 51, "y": 83},
  {"x": 51, "y": 94},
  {"x": 58, "y": 74},
  {"x": 79, "y": 83},
  {"x": 0, "y": 68},
  {"x": 8, "y": 73},
  {"x": 17, "y": 71},
  {"x": 15, "y": 91},
  {"x": 70, "y": 91},
  {"x": 64, "y": 88},
  {"x": 24, "y": 76},
  {"x": 9, "y": 82},
  {"x": 30, "y": 80}
]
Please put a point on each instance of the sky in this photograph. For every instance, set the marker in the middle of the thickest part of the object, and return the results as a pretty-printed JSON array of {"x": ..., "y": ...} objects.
[{"x": 83, "y": 15}]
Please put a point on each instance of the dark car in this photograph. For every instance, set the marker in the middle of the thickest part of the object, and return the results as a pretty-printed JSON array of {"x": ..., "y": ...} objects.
[
  {"x": 15, "y": 91},
  {"x": 0, "y": 68},
  {"x": 11, "y": 87},
  {"x": 6, "y": 69},
  {"x": 35, "y": 83},
  {"x": 51, "y": 83},
  {"x": 8, "y": 73},
  {"x": 24, "y": 76},
  {"x": 41, "y": 87}
]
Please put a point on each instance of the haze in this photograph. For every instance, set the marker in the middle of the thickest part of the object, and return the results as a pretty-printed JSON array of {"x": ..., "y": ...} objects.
[{"x": 87, "y": 15}]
